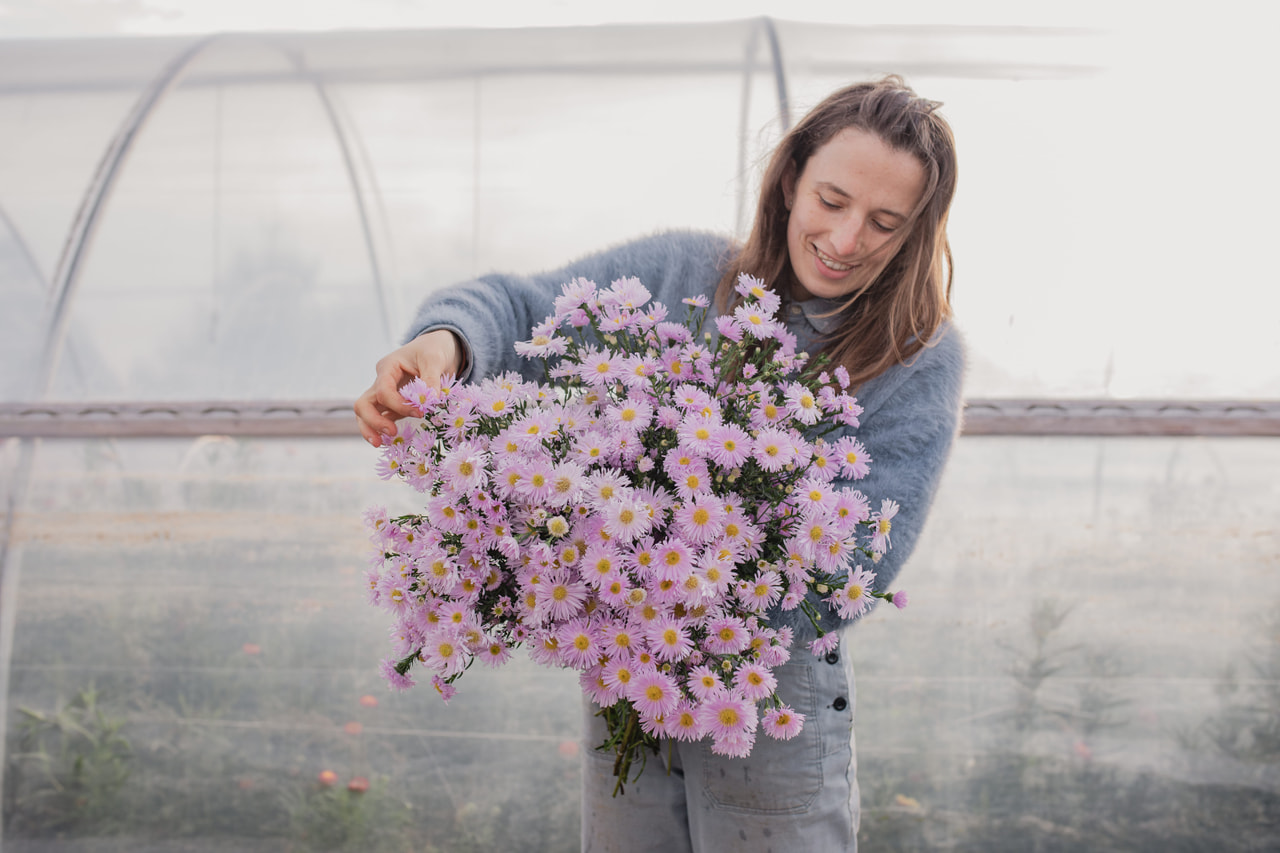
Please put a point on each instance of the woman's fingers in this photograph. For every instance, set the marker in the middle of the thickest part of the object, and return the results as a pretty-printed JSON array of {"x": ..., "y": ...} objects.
[{"x": 428, "y": 356}]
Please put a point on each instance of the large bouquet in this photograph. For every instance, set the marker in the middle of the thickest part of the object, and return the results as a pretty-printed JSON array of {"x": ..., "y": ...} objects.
[{"x": 634, "y": 518}]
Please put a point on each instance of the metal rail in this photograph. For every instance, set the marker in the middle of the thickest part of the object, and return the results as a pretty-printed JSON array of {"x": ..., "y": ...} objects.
[{"x": 331, "y": 418}]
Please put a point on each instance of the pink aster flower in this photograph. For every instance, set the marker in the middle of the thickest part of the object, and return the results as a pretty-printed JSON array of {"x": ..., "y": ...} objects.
[
  {"x": 561, "y": 595},
  {"x": 700, "y": 519},
  {"x": 726, "y": 715},
  {"x": 637, "y": 369},
  {"x": 824, "y": 464},
  {"x": 734, "y": 744},
  {"x": 600, "y": 367},
  {"x": 446, "y": 690},
  {"x": 575, "y": 295},
  {"x": 626, "y": 518},
  {"x": 620, "y": 640},
  {"x": 465, "y": 467},
  {"x": 898, "y": 599},
  {"x": 606, "y": 485},
  {"x": 591, "y": 680},
  {"x": 633, "y": 414},
  {"x": 761, "y": 593},
  {"x": 801, "y": 403},
  {"x": 617, "y": 675},
  {"x": 824, "y": 644},
  {"x": 625, "y": 293},
  {"x": 883, "y": 524},
  {"x": 544, "y": 648},
  {"x": 773, "y": 449},
  {"x": 754, "y": 681},
  {"x": 855, "y": 596},
  {"x": 580, "y": 643},
  {"x": 494, "y": 653},
  {"x": 600, "y": 563},
  {"x": 728, "y": 328},
  {"x": 673, "y": 560},
  {"x": 754, "y": 321},
  {"x": 654, "y": 694},
  {"x": 670, "y": 333},
  {"x": 395, "y": 680},
  {"x": 703, "y": 683},
  {"x": 853, "y": 458},
  {"x": 726, "y": 636},
  {"x": 533, "y": 427},
  {"x": 445, "y": 652},
  {"x": 568, "y": 480},
  {"x": 613, "y": 592},
  {"x": 782, "y": 722},
  {"x": 814, "y": 497},
  {"x": 753, "y": 288},
  {"x": 419, "y": 394},
  {"x": 852, "y": 507},
  {"x": 542, "y": 345},
  {"x": 683, "y": 723},
  {"x": 832, "y": 554},
  {"x": 730, "y": 446},
  {"x": 669, "y": 639},
  {"x": 698, "y": 429},
  {"x": 849, "y": 412},
  {"x": 716, "y": 575},
  {"x": 535, "y": 482}
]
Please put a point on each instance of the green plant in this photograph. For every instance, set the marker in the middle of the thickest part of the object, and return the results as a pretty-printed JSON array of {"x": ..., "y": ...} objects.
[
  {"x": 70, "y": 766},
  {"x": 362, "y": 816}
]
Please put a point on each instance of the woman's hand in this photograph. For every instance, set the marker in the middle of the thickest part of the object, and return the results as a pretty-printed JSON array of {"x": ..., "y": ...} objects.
[{"x": 428, "y": 356}]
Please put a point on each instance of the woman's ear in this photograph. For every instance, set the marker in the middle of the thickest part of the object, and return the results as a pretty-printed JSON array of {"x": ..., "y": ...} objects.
[{"x": 789, "y": 184}]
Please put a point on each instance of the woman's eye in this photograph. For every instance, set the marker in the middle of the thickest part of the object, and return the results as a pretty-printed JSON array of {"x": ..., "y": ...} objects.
[
  {"x": 881, "y": 227},
  {"x": 827, "y": 204}
]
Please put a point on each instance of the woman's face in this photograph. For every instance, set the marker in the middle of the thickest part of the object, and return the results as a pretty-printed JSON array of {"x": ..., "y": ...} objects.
[{"x": 854, "y": 194}]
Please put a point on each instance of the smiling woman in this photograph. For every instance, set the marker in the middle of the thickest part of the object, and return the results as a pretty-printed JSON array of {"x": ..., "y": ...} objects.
[{"x": 849, "y": 235}]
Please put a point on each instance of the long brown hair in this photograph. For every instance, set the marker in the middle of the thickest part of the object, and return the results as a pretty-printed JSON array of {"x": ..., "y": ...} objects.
[{"x": 909, "y": 298}]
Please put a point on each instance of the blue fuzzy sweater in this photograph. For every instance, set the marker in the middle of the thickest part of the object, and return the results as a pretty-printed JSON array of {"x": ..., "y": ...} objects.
[{"x": 911, "y": 411}]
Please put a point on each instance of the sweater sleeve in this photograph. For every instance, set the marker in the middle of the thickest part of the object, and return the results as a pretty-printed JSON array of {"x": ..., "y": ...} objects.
[
  {"x": 491, "y": 313},
  {"x": 908, "y": 428}
]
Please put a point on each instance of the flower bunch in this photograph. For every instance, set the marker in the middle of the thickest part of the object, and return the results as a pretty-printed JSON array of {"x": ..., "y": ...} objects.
[{"x": 635, "y": 518}]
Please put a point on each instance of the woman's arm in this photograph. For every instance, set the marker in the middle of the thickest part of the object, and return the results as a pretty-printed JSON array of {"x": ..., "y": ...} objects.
[
  {"x": 911, "y": 419},
  {"x": 470, "y": 329}
]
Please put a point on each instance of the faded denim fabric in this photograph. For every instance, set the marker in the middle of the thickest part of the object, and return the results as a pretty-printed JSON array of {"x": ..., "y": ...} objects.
[{"x": 797, "y": 795}]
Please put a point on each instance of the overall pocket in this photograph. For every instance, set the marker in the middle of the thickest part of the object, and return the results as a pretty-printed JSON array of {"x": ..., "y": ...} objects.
[{"x": 779, "y": 776}]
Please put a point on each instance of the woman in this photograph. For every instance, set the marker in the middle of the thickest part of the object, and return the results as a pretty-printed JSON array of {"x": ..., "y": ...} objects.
[{"x": 850, "y": 232}]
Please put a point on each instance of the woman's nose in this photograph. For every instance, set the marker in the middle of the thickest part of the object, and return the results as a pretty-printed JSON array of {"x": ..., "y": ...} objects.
[{"x": 846, "y": 236}]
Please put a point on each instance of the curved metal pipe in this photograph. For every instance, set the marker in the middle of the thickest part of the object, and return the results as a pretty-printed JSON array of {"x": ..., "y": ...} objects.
[
  {"x": 779, "y": 73},
  {"x": 23, "y": 249},
  {"x": 66, "y": 278},
  {"x": 357, "y": 192}
]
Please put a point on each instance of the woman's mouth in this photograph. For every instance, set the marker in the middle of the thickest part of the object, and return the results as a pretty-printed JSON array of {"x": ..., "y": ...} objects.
[{"x": 830, "y": 262}]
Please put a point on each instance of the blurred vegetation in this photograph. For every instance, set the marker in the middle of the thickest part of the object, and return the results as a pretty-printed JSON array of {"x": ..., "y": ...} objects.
[
  {"x": 1040, "y": 787},
  {"x": 203, "y": 718}
]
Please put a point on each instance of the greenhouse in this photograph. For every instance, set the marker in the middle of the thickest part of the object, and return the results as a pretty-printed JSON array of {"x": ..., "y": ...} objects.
[{"x": 206, "y": 243}]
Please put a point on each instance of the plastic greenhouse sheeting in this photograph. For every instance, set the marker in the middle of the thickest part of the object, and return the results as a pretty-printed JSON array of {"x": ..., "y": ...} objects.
[
  {"x": 186, "y": 662},
  {"x": 1089, "y": 661},
  {"x": 250, "y": 216}
]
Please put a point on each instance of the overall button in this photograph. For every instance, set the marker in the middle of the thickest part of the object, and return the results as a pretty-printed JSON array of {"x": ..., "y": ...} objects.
[
  {"x": 840, "y": 704},
  {"x": 833, "y": 657}
]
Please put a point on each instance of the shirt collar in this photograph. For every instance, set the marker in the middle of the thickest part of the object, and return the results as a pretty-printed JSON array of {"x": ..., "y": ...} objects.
[{"x": 823, "y": 314}]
